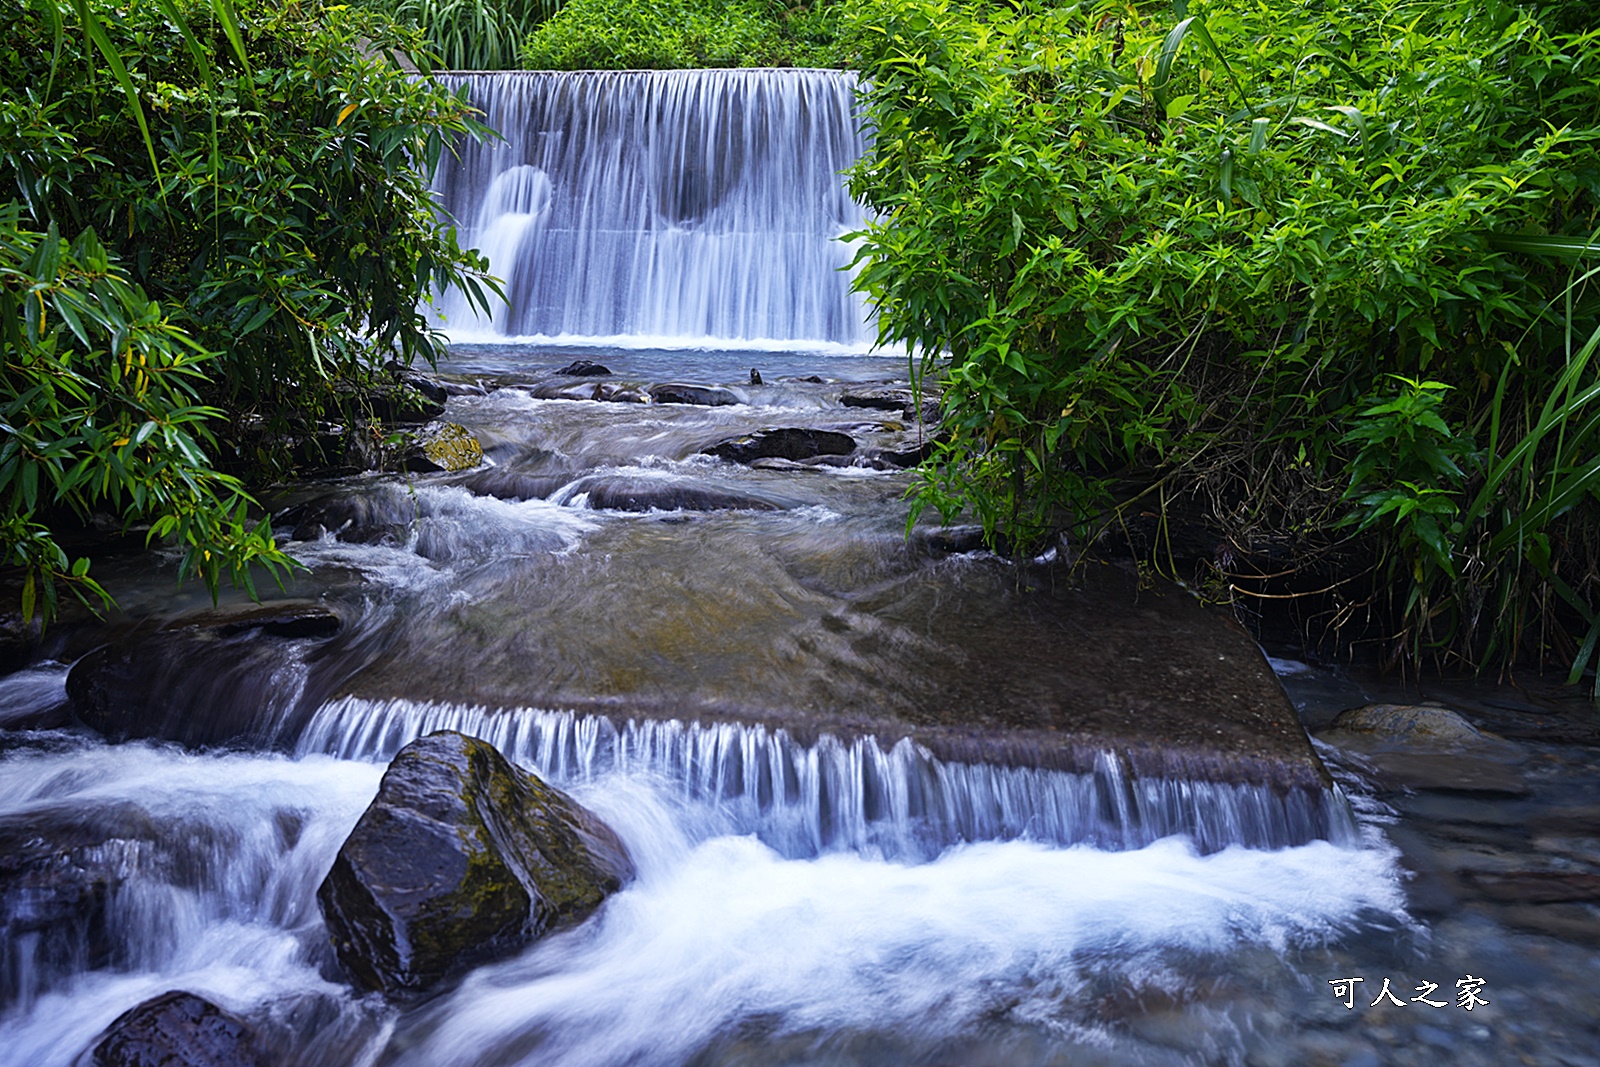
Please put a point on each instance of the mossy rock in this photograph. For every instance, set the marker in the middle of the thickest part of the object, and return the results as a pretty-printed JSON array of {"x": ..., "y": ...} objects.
[
  {"x": 443, "y": 446},
  {"x": 462, "y": 858}
]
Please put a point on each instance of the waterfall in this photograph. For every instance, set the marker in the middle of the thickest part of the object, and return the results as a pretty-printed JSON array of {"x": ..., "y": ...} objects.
[
  {"x": 900, "y": 802},
  {"x": 687, "y": 205}
]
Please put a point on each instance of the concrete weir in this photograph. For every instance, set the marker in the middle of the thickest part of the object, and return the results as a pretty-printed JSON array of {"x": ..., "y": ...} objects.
[{"x": 1104, "y": 711}]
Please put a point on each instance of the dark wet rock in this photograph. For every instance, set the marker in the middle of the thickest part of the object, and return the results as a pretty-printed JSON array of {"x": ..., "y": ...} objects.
[
  {"x": 35, "y": 698},
  {"x": 442, "y": 447},
  {"x": 461, "y": 858},
  {"x": 178, "y": 1029},
  {"x": 209, "y": 677},
  {"x": 18, "y": 640},
  {"x": 614, "y": 493},
  {"x": 422, "y": 382},
  {"x": 921, "y": 406},
  {"x": 505, "y": 483},
  {"x": 361, "y": 519},
  {"x": 613, "y": 393},
  {"x": 400, "y": 396},
  {"x": 1425, "y": 746},
  {"x": 465, "y": 387},
  {"x": 907, "y": 457},
  {"x": 58, "y": 870},
  {"x": 948, "y": 540},
  {"x": 584, "y": 390},
  {"x": 791, "y": 443},
  {"x": 701, "y": 395},
  {"x": 584, "y": 368}
]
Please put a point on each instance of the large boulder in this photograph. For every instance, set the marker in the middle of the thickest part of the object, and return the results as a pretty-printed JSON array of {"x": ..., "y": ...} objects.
[
  {"x": 791, "y": 443},
  {"x": 461, "y": 858},
  {"x": 178, "y": 1029}
]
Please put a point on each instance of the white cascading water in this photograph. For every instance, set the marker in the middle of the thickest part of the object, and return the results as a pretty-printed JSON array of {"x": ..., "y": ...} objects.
[
  {"x": 803, "y": 800},
  {"x": 696, "y": 206}
]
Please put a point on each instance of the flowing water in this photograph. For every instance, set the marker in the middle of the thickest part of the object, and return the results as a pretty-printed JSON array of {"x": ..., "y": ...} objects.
[{"x": 736, "y": 667}]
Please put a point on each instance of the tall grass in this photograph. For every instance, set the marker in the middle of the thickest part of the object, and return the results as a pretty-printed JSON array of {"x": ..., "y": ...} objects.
[{"x": 475, "y": 34}]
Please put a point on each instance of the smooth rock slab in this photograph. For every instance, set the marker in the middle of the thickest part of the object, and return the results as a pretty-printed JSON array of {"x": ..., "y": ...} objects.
[
  {"x": 178, "y": 1029},
  {"x": 460, "y": 859}
]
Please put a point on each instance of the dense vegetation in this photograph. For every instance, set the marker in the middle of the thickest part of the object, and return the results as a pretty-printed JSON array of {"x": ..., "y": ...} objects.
[
  {"x": 221, "y": 214},
  {"x": 668, "y": 34},
  {"x": 1309, "y": 272}
]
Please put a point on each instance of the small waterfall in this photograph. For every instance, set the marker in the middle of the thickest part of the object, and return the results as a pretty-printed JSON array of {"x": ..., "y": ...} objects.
[
  {"x": 854, "y": 795},
  {"x": 673, "y": 204}
]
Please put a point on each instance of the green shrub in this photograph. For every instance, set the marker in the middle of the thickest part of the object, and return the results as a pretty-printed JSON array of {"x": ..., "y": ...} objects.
[
  {"x": 1171, "y": 259},
  {"x": 670, "y": 34},
  {"x": 257, "y": 175}
]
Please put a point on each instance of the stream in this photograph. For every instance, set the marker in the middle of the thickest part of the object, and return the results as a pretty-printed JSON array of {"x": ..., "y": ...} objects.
[{"x": 797, "y": 714}]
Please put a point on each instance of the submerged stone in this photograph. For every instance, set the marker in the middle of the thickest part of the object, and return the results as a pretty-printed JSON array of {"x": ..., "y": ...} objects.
[
  {"x": 460, "y": 859},
  {"x": 178, "y": 1029},
  {"x": 1426, "y": 746}
]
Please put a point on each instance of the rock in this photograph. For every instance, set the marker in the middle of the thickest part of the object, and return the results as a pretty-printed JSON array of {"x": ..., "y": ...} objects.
[
  {"x": 442, "y": 446},
  {"x": 178, "y": 1029},
  {"x": 703, "y": 395},
  {"x": 907, "y": 457},
  {"x": 621, "y": 394},
  {"x": 792, "y": 443},
  {"x": 507, "y": 483},
  {"x": 203, "y": 678},
  {"x": 912, "y": 404},
  {"x": 1414, "y": 725},
  {"x": 1429, "y": 747},
  {"x": 617, "y": 493},
  {"x": 584, "y": 368},
  {"x": 58, "y": 870},
  {"x": 566, "y": 391},
  {"x": 461, "y": 858},
  {"x": 18, "y": 640}
]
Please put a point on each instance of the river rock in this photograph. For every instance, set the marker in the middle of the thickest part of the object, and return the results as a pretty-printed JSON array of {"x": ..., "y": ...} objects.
[
  {"x": 178, "y": 1029},
  {"x": 1425, "y": 746},
  {"x": 461, "y": 858},
  {"x": 203, "y": 678},
  {"x": 681, "y": 393},
  {"x": 922, "y": 406},
  {"x": 583, "y": 390},
  {"x": 509, "y": 483},
  {"x": 58, "y": 871},
  {"x": 442, "y": 446},
  {"x": 791, "y": 443},
  {"x": 584, "y": 368},
  {"x": 617, "y": 493}
]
